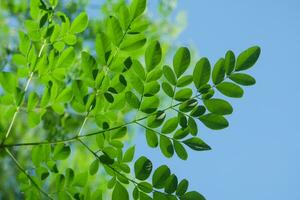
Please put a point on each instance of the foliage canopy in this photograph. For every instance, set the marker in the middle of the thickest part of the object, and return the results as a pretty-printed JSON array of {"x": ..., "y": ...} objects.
[{"x": 70, "y": 103}]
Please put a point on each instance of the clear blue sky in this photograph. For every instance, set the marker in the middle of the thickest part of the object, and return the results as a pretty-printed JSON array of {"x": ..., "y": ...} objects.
[{"x": 257, "y": 157}]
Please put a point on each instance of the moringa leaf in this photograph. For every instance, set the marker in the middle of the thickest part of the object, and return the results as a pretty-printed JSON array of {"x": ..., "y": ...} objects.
[
  {"x": 229, "y": 63},
  {"x": 80, "y": 23},
  {"x": 120, "y": 192},
  {"x": 197, "y": 144},
  {"x": 230, "y": 89},
  {"x": 137, "y": 8},
  {"x": 142, "y": 168},
  {"x": 181, "y": 61},
  {"x": 242, "y": 79},
  {"x": 218, "y": 106},
  {"x": 247, "y": 58},
  {"x": 218, "y": 72},
  {"x": 201, "y": 72},
  {"x": 214, "y": 121},
  {"x": 153, "y": 55}
]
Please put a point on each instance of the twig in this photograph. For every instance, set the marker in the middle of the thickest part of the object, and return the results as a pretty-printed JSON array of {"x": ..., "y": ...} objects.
[{"x": 27, "y": 175}]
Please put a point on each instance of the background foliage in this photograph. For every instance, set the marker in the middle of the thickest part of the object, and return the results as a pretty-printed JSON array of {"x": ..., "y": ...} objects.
[{"x": 75, "y": 89}]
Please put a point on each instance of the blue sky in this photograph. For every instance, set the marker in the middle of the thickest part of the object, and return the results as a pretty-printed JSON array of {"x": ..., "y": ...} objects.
[{"x": 257, "y": 157}]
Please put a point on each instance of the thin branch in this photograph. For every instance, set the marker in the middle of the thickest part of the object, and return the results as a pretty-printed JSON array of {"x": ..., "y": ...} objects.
[
  {"x": 84, "y": 122},
  {"x": 27, "y": 175},
  {"x": 73, "y": 139},
  {"x": 25, "y": 90}
]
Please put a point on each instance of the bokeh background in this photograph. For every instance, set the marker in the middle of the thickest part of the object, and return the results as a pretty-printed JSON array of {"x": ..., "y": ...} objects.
[{"x": 257, "y": 157}]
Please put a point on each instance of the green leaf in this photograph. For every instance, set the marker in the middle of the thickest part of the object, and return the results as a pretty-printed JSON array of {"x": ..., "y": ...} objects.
[
  {"x": 137, "y": 8},
  {"x": 214, "y": 121},
  {"x": 218, "y": 106},
  {"x": 138, "y": 69},
  {"x": 34, "y": 118},
  {"x": 128, "y": 156},
  {"x": 94, "y": 167},
  {"x": 188, "y": 105},
  {"x": 69, "y": 174},
  {"x": 67, "y": 58},
  {"x": 229, "y": 62},
  {"x": 61, "y": 152},
  {"x": 100, "y": 139},
  {"x": 242, "y": 79},
  {"x": 142, "y": 168},
  {"x": 110, "y": 151},
  {"x": 59, "y": 181},
  {"x": 201, "y": 72},
  {"x": 151, "y": 138},
  {"x": 181, "y": 61},
  {"x": 170, "y": 125},
  {"x": 218, "y": 72},
  {"x": 145, "y": 187},
  {"x": 170, "y": 75},
  {"x": 160, "y": 176},
  {"x": 182, "y": 120},
  {"x": 81, "y": 179},
  {"x": 150, "y": 104},
  {"x": 102, "y": 46},
  {"x": 24, "y": 43},
  {"x": 153, "y": 55},
  {"x": 185, "y": 80},
  {"x": 124, "y": 16},
  {"x": 192, "y": 196},
  {"x": 133, "y": 42},
  {"x": 180, "y": 150},
  {"x": 120, "y": 192},
  {"x": 166, "y": 146},
  {"x": 154, "y": 75},
  {"x": 109, "y": 97},
  {"x": 8, "y": 81},
  {"x": 88, "y": 64},
  {"x": 156, "y": 120},
  {"x": 105, "y": 159},
  {"x": 135, "y": 193},
  {"x": 162, "y": 196},
  {"x": 183, "y": 94},
  {"x": 114, "y": 30},
  {"x": 230, "y": 89},
  {"x": 168, "y": 89},
  {"x": 181, "y": 133},
  {"x": 247, "y": 58},
  {"x": 70, "y": 39},
  {"x": 65, "y": 96},
  {"x": 182, "y": 187},
  {"x": 59, "y": 46},
  {"x": 198, "y": 111},
  {"x": 33, "y": 100},
  {"x": 80, "y": 23},
  {"x": 144, "y": 196},
  {"x": 171, "y": 184},
  {"x": 151, "y": 88},
  {"x": 132, "y": 99},
  {"x": 197, "y": 144}
]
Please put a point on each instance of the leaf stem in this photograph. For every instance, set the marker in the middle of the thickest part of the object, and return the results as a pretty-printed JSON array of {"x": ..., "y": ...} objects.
[
  {"x": 27, "y": 175},
  {"x": 112, "y": 168},
  {"x": 25, "y": 90}
]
